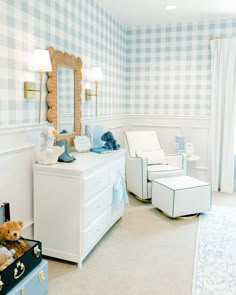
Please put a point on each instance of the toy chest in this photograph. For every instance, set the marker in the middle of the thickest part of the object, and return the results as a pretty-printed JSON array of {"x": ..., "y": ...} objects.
[{"x": 24, "y": 264}]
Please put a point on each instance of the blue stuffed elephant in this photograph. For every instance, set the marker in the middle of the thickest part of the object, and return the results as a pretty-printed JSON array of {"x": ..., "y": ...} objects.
[{"x": 110, "y": 142}]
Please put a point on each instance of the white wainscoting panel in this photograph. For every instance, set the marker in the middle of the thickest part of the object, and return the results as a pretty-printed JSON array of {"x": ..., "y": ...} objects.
[
  {"x": 199, "y": 137},
  {"x": 16, "y": 182},
  {"x": 17, "y": 156}
]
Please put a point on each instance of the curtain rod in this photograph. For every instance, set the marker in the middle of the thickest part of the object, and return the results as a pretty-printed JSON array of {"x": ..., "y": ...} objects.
[{"x": 220, "y": 38}]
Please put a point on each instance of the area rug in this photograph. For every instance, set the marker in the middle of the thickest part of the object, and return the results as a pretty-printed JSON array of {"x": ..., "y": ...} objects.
[{"x": 215, "y": 256}]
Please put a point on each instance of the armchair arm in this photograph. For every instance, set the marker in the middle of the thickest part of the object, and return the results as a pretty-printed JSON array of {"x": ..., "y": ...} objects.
[
  {"x": 136, "y": 176},
  {"x": 178, "y": 160}
]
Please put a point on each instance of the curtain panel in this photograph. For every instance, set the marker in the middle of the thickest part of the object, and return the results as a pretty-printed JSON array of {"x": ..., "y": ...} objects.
[{"x": 223, "y": 114}]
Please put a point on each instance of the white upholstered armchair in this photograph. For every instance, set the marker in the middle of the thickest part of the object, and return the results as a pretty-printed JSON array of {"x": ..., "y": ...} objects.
[{"x": 146, "y": 161}]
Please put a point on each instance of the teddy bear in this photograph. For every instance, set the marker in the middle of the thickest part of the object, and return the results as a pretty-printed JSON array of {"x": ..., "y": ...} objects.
[
  {"x": 110, "y": 142},
  {"x": 10, "y": 232},
  {"x": 6, "y": 257}
]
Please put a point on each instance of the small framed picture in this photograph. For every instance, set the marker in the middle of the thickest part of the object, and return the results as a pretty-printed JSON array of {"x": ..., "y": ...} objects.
[
  {"x": 82, "y": 144},
  {"x": 189, "y": 148},
  {"x": 179, "y": 144}
]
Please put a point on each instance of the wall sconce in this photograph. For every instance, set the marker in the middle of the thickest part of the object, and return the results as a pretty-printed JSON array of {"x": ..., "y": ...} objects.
[
  {"x": 41, "y": 63},
  {"x": 96, "y": 76}
]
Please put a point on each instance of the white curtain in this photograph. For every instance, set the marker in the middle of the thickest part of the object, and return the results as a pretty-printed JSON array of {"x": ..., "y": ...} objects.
[{"x": 223, "y": 114}]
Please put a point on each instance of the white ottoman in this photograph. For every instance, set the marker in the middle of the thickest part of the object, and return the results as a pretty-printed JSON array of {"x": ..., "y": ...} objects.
[{"x": 181, "y": 195}]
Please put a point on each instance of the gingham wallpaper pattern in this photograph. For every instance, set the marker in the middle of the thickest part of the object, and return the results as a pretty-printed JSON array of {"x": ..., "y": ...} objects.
[
  {"x": 147, "y": 70},
  {"x": 169, "y": 67},
  {"x": 83, "y": 28}
]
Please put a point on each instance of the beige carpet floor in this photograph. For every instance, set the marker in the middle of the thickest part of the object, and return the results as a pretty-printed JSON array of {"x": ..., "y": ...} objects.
[{"x": 144, "y": 253}]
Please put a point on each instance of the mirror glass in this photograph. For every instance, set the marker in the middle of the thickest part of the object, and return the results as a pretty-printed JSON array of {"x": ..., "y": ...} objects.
[
  {"x": 64, "y": 90},
  {"x": 65, "y": 96}
]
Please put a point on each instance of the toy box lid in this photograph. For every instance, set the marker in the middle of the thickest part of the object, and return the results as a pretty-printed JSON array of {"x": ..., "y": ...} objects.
[{"x": 4, "y": 212}]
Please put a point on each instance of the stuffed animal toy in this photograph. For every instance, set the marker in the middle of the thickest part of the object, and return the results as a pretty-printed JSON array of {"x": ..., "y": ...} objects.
[
  {"x": 48, "y": 134},
  {"x": 65, "y": 156},
  {"x": 110, "y": 142},
  {"x": 6, "y": 257},
  {"x": 48, "y": 154},
  {"x": 10, "y": 237}
]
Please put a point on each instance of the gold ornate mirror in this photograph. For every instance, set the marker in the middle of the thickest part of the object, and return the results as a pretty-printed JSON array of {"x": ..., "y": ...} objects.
[{"x": 64, "y": 89}]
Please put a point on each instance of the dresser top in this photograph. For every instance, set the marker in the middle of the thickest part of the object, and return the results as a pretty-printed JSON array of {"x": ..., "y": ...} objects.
[{"x": 83, "y": 162}]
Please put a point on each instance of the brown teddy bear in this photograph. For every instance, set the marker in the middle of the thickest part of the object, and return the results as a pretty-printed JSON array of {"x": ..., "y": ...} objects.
[{"x": 10, "y": 237}]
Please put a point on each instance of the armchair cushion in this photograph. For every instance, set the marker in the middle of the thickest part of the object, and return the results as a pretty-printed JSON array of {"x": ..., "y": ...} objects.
[
  {"x": 162, "y": 171},
  {"x": 153, "y": 157},
  {"x": 176, "y": 160},
  {"x": 141, "y": 140}
]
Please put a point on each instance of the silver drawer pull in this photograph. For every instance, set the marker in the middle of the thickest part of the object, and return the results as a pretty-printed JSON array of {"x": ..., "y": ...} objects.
[
  {"x": 37, "y": 251},
  {"x": 1, "y": 284},
  {"x": 41, "y": 276},
  {"x": 19, "y": 270}
]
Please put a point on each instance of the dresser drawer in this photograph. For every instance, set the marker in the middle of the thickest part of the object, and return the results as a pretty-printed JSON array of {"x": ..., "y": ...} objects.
[
  {"x": 116, "y": 168},
  {"x": 94, "y": 232},
  {"x": 95, "y": 207},
  {"x": 94, "y": 184},
  {"x": 113, "y": 215},
  {"x": 36, "y": 282}
]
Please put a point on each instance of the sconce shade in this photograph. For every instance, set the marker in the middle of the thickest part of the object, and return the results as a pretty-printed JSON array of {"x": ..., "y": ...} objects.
[
  {"x": 88, "y": 86},
  {"x": 41, "y": 61},
  {"x": 96, "y": 74}
]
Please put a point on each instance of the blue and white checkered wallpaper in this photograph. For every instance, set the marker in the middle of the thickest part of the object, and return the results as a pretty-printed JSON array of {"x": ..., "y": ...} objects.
[
  {"x": 83, "y": 28},
  {"x": 147, "y": 70},
  {"x": 168, "y": 67}
]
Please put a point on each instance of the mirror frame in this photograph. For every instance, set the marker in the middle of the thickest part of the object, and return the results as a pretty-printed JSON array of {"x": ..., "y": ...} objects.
[{"x": 69, "y": 61}]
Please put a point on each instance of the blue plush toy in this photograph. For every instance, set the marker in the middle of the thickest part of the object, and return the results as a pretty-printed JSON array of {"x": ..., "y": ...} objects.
[{"x": 110, "y": 142}]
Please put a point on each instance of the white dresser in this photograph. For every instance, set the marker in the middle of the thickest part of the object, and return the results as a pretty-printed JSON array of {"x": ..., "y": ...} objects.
[{"x": 73, "y": 203}]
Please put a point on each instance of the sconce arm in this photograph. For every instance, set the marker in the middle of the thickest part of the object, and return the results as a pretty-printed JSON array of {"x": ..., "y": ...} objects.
[{"x": 88, "y": 93}]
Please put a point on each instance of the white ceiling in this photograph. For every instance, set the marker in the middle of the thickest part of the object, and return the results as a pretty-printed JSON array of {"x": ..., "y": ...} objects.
[{"x": 152, "y": 12}]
